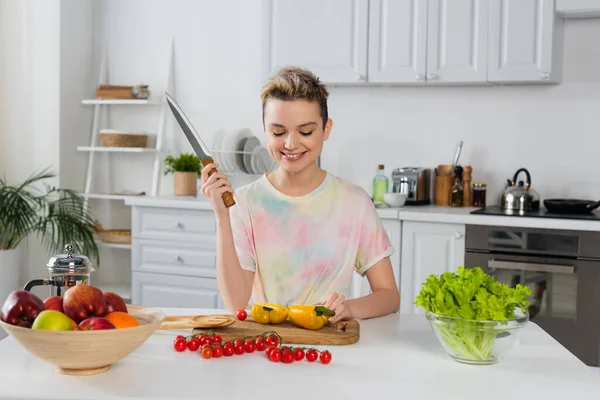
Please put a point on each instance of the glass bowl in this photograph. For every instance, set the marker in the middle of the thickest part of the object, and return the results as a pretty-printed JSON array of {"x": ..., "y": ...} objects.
[{"x": 480, "y": 342}]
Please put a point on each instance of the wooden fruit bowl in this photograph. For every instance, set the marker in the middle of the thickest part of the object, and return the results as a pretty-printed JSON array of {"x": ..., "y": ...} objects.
[{"x": 88, "y": 352}]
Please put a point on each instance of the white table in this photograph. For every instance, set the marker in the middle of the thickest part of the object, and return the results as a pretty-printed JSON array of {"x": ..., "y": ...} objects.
[{"x": 397, "y": 357}]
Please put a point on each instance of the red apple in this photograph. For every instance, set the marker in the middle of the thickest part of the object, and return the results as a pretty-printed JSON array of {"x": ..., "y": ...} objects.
[
  {"x": 21, "y": 308},
  {"x": 54, "y": 303},
  {"x": 95, "y": 324},
  {"x": 83, "y": 301},
  {"x": 114, "y": 302}
]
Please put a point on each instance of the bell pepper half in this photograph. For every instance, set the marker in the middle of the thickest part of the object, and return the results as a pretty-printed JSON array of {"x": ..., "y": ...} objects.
[
  {"x": 310, "y": 316},
  {"x": 268, "y": 313}
]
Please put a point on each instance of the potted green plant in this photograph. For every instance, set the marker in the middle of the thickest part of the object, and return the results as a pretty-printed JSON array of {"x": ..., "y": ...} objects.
[
  {"x": 56, "y": 216},
  {"x": 186, "y": 169}
]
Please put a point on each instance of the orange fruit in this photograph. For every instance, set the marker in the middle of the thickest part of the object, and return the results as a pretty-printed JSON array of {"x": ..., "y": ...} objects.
[
  {"x": 74, "y": 324},
  {"x": 121, "y": 319}
]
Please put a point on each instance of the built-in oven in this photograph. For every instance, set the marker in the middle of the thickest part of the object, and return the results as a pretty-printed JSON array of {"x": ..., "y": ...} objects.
[{"x": 562, "y": 268}]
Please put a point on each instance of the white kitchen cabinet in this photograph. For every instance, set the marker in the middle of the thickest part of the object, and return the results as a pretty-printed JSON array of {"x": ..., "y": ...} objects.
[
  {"x": 525, "y": 42},
  {"x": 397, "y": 41},
  {"x": 427, "y": 248},
  {"x": 360, "y": 285},
  {"x": 327, "y": 37},
  {"x": 578, "y": 8},
  {"x": 457, "y": 34},
  {"x": 163, "y": 290}
]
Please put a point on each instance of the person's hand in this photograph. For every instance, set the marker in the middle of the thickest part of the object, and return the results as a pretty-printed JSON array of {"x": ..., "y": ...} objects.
[
  {"x": 213, "y": 188},
  {"x": 336, "y": 302}
]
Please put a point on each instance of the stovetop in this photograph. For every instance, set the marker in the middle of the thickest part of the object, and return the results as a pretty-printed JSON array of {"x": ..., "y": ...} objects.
[{"x": 542, "y": 213}]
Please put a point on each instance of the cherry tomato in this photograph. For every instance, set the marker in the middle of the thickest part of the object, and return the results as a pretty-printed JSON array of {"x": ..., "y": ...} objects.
[
  {"x": 283, "y": 348},
  {"x": 275, "y": 355},
  {"x": 206, "y": 345},
  {"x": 269, "y": 350},
  {"x": 272, "y": 341},
  {"x": 179, "y": 337},
  {"x": 228, "y": 351},
  {"x": 249, "y": 346},
  {"x": 325, "y": 357},
  {"x": 287, "y": 357},
  {"x": 217, "y": 351},
  {"x": 204, "y": 340},
  {"x": 227, "y": 344},
  {"x": 311, "y": 355},
  {"x": 180, "y": 344},
  {"x": 239, "y": 349},
  {"x": 242, "y": 314},
  {"x": 261, "y": 346},
  {"x": 217, "y": 339},
  {"x": 207, "y": 352},
  {"x": 238, "y": 342},
  {"x": 193, "y": 344},
  {"x": 298, "y": 354}
]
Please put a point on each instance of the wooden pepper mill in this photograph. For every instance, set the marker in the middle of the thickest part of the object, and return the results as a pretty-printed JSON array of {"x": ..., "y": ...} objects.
[{"x": 467, "y": 198}]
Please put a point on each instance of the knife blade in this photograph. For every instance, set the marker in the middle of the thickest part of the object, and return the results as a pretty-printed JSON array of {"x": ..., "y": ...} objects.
[{"x": 196, "y": 142}]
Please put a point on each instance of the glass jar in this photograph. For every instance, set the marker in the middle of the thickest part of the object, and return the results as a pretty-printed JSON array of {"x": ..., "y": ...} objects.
[{"x": 479, "y": 194}]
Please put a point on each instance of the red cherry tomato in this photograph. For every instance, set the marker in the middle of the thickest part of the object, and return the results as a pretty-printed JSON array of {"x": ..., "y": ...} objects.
[
  {"x": 242, "y": 315},
  {"x": 239, "y": 349},
  {"x": 261, "y": 346},
  {"x": 238, "y": 342},
  {"x": 204, "y": 340},
  {"x": 228, "y": 351},
  {"x": 180, "y": 344},
  {"x": 179, "y": 337},
  {"x": 193, "y": 344},
  {"x": 275, "y": 355},
  {"x": 325, "y": 357},
  {"x": 206, "y": 352},
  {"x": 287, "y": 357},
  {"x": 249, "y": 346},
  {"x": 298, "y": 354},
  {"x": 217, "y": 339},
  {"x": 217, "y": 351},
  {"x": 311, "y": 355}
]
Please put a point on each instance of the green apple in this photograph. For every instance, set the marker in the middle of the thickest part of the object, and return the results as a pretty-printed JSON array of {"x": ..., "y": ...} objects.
[{"x": 52, "y": 320}]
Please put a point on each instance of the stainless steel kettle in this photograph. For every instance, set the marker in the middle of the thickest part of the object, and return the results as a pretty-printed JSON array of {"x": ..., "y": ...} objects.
[{"x": 520, "y": 196}]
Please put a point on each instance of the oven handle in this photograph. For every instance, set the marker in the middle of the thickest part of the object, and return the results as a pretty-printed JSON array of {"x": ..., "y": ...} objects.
[{"x": 551, "y": 268}]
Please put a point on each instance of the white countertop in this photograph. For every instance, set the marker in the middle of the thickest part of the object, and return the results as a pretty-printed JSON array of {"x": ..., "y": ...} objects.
[
  {"x": 397, "y": 356},
  {"x": 427, "y": 213}
]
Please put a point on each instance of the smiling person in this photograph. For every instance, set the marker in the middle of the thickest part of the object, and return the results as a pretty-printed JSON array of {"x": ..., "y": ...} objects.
[{"x": 297, "y": 234}]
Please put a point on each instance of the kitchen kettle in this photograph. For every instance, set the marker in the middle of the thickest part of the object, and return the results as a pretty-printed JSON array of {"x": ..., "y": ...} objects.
[{"x": 520, "y": 196}]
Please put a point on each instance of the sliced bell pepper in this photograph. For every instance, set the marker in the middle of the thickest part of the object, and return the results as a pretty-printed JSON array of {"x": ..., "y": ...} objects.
[
  {"x": 310, "y": 316},
  {"x": 268, "y": 313}
]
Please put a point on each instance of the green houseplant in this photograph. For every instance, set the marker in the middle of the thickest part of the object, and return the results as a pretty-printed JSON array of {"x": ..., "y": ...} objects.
[
  {"x": 56, "y": 216},
  {"x": 186, "y": 169}
]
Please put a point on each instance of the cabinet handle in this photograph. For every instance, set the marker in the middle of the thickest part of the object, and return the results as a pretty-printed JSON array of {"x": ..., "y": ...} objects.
[
  {"x": 431, "y": 77},
  {"x": 178, "y": 259},
  {"x": 458, "y": 235},
  {"x": 544, "y": 75},
  {"x": 420, "y": 77},
  {"x": 178, "y": 225}
]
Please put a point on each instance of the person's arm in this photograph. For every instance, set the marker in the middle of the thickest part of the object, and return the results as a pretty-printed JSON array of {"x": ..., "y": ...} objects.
[
  {"x": 384, "y": 299},
  {"x": 234, "y": 283}
]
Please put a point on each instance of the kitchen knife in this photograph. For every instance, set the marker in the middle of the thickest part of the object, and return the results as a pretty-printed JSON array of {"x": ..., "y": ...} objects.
[{"x": 197, "y": 144}]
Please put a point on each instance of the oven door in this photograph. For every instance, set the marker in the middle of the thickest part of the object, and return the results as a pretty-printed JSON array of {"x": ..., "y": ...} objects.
[{"x": 565, "y": 296}]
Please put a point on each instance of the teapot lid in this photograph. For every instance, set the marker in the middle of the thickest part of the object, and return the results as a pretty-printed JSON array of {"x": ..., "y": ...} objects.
[{"x": 69, "y": 261}]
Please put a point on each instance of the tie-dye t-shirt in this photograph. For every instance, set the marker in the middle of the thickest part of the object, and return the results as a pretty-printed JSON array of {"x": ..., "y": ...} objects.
[{"x": 303, "y": 249}]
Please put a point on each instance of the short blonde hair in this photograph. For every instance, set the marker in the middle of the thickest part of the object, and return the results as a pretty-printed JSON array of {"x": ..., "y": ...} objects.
[{"x": 295, "y": 83}]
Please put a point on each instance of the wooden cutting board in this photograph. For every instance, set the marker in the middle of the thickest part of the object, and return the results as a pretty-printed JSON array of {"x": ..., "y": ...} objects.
[{"x": 338, "y": 333}]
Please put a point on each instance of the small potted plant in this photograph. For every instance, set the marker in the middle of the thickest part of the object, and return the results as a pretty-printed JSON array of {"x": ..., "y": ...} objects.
[
  {"x": 186, "y": 169},
  {"x": 56, "y": 216}
]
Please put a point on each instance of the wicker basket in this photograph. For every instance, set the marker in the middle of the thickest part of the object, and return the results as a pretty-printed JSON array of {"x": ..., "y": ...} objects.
[
  {"x": 122, "y": 236},
  {"x": 123, "y": 139}
]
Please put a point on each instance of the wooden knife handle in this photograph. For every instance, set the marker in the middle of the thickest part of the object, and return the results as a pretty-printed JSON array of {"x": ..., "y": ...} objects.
[{"x": 227, "y": 197}]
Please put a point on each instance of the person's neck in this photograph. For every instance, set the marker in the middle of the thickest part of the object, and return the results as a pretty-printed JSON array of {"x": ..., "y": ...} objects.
[{"x": 297, "y": 183}]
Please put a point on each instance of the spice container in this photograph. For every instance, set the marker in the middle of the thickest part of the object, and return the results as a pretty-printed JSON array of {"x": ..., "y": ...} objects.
[
  {"x": 479, "y": 194},
  {"x": 457, "y": 193}
]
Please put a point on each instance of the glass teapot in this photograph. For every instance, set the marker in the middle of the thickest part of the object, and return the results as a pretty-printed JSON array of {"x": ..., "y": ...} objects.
[{"x": 64, "y": 270}]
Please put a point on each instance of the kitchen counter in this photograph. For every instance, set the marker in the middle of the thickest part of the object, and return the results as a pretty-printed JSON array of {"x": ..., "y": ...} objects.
[
  {"x": 428, "y": 213},
  {"x": 396, "y": 356}
]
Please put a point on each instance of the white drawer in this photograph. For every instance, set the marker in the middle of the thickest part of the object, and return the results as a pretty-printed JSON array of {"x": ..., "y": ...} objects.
[
  {"x": 158, "y": 290},
  {"x": 175, "y": 258},
  {"x": 173, "y": 224}
]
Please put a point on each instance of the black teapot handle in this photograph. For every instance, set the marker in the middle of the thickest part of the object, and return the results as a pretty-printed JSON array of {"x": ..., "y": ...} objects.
[{"x": 526, "y": 173}]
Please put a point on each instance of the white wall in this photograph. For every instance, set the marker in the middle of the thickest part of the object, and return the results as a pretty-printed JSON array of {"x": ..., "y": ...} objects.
[{"x": 545, "y": 129}]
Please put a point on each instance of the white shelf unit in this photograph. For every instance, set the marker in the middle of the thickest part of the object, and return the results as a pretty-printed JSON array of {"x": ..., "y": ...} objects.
[{"x": 94, "y": 147}]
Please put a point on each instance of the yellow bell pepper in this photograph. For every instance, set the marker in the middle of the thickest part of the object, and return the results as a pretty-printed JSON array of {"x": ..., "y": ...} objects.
[
  {"x": 268, "y": 313},
  {"x": 310, "y": 316}
]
